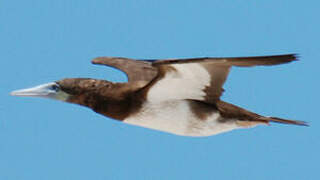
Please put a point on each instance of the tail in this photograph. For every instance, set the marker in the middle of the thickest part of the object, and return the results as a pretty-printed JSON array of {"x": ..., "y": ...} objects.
[
  {"x": 249, "y": 119},
  {"x": 283, "y": 121}
]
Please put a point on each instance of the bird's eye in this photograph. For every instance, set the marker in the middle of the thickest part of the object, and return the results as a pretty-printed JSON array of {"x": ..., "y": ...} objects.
[{"x": 55, "y": 87}]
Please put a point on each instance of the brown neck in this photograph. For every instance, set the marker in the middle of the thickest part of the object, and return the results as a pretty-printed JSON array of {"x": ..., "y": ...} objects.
[
  {"x": 116, "y": 109},
  {"x": 116, "y": 100}
]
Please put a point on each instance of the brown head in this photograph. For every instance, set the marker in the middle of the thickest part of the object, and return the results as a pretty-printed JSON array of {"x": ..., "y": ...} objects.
[{"x": 100, "y": 95}]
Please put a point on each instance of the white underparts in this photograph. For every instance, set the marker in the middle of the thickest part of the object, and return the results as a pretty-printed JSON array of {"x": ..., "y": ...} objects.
[{"x": 177, "y": 118}]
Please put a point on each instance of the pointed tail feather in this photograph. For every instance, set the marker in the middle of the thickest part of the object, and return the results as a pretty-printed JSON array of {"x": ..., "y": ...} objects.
[{"x": 284, "y": 121}]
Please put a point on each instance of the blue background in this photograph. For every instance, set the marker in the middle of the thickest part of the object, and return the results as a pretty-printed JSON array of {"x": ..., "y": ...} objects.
[{"x": 43, "y": 41}]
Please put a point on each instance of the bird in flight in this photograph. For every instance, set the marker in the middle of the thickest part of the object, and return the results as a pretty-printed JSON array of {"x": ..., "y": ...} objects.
[{"x": 179, "y": 96}]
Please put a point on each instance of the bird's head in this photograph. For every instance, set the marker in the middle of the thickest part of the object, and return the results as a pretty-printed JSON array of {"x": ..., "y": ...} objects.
[{"x": 73, "y": 90}]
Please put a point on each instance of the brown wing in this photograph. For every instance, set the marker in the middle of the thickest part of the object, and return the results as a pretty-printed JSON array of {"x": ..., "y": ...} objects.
[
  {"x": 201, "y": 78},
  {"x": 136, "y": 70}
]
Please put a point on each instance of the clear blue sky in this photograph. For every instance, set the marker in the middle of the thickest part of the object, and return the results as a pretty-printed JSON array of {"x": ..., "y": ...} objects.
[{"x": 43, "y": 41}]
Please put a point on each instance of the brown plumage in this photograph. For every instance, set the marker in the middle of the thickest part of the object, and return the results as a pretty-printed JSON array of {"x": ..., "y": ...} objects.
[
  {"x": 115, "y": 100},
  {"x": 155, "y": 85}
]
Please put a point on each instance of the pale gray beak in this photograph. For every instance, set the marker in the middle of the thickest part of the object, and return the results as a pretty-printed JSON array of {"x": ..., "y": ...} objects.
[{"x": 48, "y": 90}]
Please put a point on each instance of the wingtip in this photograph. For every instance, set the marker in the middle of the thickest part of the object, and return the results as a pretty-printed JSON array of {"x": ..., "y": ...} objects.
[
  {"x": 281, "y": 59},
  {"x": 303, "y": 123},
  {"x": 97, "y": 60},
  {"x": 106, "y": 59},
  {"x": 293, "y": 56},
  {"x": 287, "y": 57},
  {"x": 296, "y": 57}
]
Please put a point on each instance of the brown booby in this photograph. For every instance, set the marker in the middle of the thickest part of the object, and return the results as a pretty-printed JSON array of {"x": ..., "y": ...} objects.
[{"x": 179, "y": 96}]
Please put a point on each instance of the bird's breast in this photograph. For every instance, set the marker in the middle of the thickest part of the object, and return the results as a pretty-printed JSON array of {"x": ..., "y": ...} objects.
[{"x": 177, "y": 117}]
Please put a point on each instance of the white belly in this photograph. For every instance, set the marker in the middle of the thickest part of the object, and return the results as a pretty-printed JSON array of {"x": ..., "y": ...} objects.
[{"x": 177, "y": 118}]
